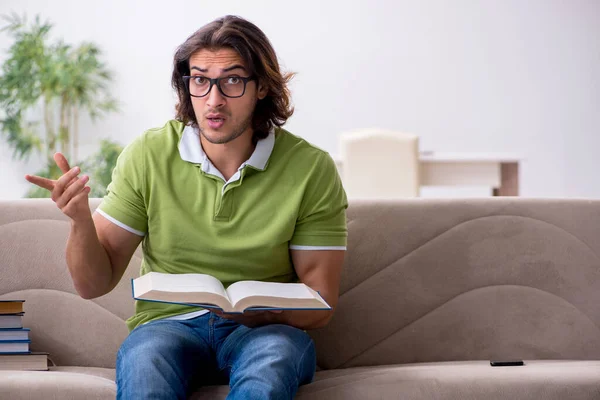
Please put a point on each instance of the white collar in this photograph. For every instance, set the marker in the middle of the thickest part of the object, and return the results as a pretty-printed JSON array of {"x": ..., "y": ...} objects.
[{"x": 190, "y": 149}]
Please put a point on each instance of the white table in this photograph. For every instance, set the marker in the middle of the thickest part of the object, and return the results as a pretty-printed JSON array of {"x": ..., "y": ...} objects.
[{"x": 499, "y": 171}]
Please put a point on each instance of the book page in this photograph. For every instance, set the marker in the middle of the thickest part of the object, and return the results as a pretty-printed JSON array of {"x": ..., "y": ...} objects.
[
  {"x": 11, "y": 306},
  {"x": 240, "y": 290},
  {"x": 177, "y": 283}
]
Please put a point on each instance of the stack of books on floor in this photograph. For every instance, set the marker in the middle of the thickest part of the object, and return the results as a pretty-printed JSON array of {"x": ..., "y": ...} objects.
[{"x": 14, "y": 340}]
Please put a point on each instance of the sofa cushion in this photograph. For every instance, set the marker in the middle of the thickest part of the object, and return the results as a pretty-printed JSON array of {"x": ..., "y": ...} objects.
[
  {"x": 548, "y": 380},
  {"x": 65, "y": 383},
  {"x": 50, "y": 314},
  {"x": 106, "y": 373}
]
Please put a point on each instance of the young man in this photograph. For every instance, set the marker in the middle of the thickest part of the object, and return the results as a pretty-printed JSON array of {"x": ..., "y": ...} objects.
[{"x": 223, "y": 190}]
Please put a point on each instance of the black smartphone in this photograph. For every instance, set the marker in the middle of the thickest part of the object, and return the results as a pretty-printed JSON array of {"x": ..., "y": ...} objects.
[{"x": 512, "y": 363}]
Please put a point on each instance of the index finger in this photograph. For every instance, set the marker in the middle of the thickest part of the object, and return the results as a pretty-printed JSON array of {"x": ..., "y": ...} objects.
[
  {"x": 62, "y": 162},
  {"x": 45, "y": 183}
]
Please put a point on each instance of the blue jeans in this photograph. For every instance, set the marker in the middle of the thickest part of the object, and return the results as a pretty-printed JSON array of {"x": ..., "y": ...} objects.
[{"x": 170, "y": 359}]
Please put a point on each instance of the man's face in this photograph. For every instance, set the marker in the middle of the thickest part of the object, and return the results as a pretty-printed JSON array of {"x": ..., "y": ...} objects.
[{"x": 222, "y": 119}]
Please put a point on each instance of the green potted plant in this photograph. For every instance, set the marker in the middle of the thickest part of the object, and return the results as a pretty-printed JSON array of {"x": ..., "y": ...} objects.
[{"x": 44, "y": 88}]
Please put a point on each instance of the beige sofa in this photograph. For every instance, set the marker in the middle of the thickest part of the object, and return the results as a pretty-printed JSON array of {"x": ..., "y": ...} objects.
[{"x": 432, "y": 290}]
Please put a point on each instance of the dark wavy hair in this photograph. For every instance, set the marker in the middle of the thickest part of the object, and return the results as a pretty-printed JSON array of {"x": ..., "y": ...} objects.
[{"x": 255, "y": 49}]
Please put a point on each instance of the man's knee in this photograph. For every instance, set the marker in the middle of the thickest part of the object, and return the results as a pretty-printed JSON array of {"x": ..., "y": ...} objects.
[
  {"x": 284, "y": 338},
  {"x": 284, "y": 345},
  {"x": 148, "y": 344},
  {"x": 272, "y": 361}
]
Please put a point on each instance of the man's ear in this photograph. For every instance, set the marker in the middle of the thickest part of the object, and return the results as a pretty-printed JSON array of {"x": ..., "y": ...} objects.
[{"x": 262, "y": 91}]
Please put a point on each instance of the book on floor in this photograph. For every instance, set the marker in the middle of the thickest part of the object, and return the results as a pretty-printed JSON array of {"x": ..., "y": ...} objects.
[
  {"x": 208, "y": 292},
  {"x": 34, "y": 361},
  {"x": 14, "y": 346},
  {"x": 14, "y": 334},
  {"x": 11, "y": 320},
  {"x": 11, "y": 306}
]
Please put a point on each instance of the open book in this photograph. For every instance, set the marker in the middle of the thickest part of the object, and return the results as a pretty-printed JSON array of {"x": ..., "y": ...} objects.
[{"x": 207, "y": 291}]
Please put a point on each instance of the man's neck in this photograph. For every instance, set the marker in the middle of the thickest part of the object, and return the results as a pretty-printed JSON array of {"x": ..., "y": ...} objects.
[{"x": 228, "y": 157}]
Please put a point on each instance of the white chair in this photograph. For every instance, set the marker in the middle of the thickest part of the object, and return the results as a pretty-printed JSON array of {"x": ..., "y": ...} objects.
[{"x": 380, "y": 164}]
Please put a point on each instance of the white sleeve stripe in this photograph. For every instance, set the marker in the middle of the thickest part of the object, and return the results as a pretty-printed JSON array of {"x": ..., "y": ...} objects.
[
  {"x": 119, "y": 223},
  {"x": 297, "y": 247}
]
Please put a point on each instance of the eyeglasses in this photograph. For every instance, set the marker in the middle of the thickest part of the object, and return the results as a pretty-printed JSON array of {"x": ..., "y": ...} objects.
[{"x": 229, "y": 86}]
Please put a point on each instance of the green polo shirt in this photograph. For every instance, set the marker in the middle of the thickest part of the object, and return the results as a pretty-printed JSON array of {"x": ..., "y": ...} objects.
[{"x": 287, "y": 195}]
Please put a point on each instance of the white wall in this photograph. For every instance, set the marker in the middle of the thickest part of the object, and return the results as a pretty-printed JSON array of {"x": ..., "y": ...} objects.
[{"x": 483, "y": 76}]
